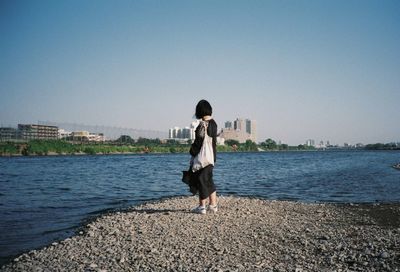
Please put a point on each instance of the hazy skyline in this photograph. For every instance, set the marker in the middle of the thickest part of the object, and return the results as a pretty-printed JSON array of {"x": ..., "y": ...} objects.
[{"x": 325, "y": 70}]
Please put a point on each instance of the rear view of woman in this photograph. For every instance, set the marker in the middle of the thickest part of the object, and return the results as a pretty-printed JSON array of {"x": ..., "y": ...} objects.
[{"x": 203, "y": 178}]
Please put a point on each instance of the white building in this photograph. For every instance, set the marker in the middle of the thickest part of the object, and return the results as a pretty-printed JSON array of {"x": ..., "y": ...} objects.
[
  {"x": 310, "y": 142},
  {"x": 186, "y": 133},
  {"x": 87, "y": 136},
  {"x": 62, "y": 133},
  {"x": 96, "y": 137}
]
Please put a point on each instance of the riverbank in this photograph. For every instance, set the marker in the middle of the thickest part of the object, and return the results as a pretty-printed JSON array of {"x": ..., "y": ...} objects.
[
  {"x": 62, "y": 147},
  {"x": 245, "y": 235}
]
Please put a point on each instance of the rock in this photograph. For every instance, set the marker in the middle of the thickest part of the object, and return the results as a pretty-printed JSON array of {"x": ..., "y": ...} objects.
[
  {"x": 325, "y": 237},
  {"x": 245, "y": 235},
  {"x": 384, "y": 255},
  {"x": 286, "y": 258}
]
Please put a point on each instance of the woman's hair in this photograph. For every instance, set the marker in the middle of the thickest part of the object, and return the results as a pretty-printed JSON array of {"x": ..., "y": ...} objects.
[{"x": 203, "y": 108}]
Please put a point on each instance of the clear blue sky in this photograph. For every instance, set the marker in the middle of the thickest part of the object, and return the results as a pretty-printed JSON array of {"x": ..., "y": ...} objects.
[{"x": 326, "y": 70}]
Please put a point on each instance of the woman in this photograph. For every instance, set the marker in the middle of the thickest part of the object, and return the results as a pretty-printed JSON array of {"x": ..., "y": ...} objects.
[{"x": 203, "y": 178}]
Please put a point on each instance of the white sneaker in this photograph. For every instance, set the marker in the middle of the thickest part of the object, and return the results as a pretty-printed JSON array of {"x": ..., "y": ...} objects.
[
  {"x": 200, "y": 210},
  {"x": 213, "y": 209}
]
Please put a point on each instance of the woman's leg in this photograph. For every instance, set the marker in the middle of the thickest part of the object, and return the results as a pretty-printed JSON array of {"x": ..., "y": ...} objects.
[
  {"x": 213, "y": 199},
  {"x": 202, "y": 202}
]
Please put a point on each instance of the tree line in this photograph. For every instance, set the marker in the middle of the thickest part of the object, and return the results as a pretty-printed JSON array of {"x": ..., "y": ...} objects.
[
  {"x": 125, "y": 144},
  {"x": 62, "y": 147}
]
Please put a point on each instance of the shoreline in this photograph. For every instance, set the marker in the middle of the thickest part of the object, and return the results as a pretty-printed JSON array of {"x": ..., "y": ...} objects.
[
  {"x": 78, "y": 154},
  {"x": 246, "y": 234}
]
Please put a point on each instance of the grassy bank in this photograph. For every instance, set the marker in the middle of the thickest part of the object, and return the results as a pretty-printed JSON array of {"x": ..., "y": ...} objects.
[
  {"x": 141, "y": 145},
  {"x": 60, "y": 147}
]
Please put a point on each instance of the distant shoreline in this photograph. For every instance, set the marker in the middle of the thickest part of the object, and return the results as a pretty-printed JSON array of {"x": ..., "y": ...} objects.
[
  {"x": 61, "y": 147},
  {"x": 79, "y": 154}
]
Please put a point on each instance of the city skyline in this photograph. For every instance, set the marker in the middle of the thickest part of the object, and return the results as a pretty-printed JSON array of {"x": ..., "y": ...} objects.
[
  {"x": 187, "y": 133},
  {"x": 303, "y": 69}
]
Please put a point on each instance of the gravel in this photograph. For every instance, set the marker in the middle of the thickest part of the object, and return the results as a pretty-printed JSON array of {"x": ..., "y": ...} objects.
[{"x": 247, "y": 234}]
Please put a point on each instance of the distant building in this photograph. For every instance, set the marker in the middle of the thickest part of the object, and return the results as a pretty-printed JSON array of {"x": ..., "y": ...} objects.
[
  {"x": 228, "y": 124},
  {"x": 186, "y": 133},
  {"x": 8, "y": 134},
  {"x": 310, "y": 142},
  {"x": 82, "y": 136},
  {"x": 34, "y": 132},
  {"x": 241, "y": 131},
  {"x": 328, "y": 143},
  {"x": 96, "y": 137},
  {"x": 86, "y": 136},
  {"x": 110, "y": 132},
  {"x": 239, "y": 124},
  {"x": 173, "y": 133},
  {"x": 62, "y": 134},
  {"x": 321, "y": 145}
]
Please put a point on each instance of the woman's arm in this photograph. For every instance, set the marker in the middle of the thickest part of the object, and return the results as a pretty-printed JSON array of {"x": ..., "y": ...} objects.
[
  {"x": 198, "y": 141},
  {"x": 212, "y": 131}
]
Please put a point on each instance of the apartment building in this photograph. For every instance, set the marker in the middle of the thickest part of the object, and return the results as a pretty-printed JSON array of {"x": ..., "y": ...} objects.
[
  {"x": 186, "y": 133},
  {"x": 8, "y": 134},
  {"x": 32, "y": 132}
]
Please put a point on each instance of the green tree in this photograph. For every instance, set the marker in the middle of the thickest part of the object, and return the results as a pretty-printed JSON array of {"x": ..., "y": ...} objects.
[
  {"x": 125, "y": 139},
  {"x": 232, "y": 142},
  {"x": 283, "y": 147},
  {"x": 8, "y": 149},
  {"x": 269, "y": 144},
  {"x": 301, "y": 147},
  {"x": 89, "y": 150},
  {"x": 249, "y": 145}
]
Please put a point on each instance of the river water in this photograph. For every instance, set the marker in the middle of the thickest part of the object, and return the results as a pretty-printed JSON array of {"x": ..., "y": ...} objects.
[{"x": 45, "y": 199}]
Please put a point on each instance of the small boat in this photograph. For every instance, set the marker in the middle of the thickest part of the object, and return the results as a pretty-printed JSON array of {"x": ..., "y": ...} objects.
[{"x": 397, "y": 166}]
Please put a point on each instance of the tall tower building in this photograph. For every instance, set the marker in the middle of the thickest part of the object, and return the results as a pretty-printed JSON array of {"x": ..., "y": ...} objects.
[
  {"x": 239, "y": 124},
  {"x": 242, "y": 130},
  {"x": 251, "y": 129},
  {"x": 310, "y": 142},
  {"x": 228, "y": 124}
]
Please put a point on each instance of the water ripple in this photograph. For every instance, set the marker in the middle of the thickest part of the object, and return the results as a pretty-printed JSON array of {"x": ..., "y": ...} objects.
[{"x": 56, "y": 194}]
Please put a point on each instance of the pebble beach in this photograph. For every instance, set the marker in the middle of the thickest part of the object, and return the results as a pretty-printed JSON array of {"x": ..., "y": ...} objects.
[{"x": 247, "y": 234}]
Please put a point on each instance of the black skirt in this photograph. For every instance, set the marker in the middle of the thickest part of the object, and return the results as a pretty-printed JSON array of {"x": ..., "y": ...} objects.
[{"x": 203, "y": 181}]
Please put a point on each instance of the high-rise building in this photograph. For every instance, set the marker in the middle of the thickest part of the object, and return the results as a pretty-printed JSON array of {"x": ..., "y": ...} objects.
[
  {"x": 186, "y": 133},
  {"x": 228, "y": 124},
  {"x": 173, "y": 132},
  {"x": 239, "y": 124},
  {"x": 310, "y": 142},
  {"x": 251, "y": 129},
  {"x": 241, "y": 131}
]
